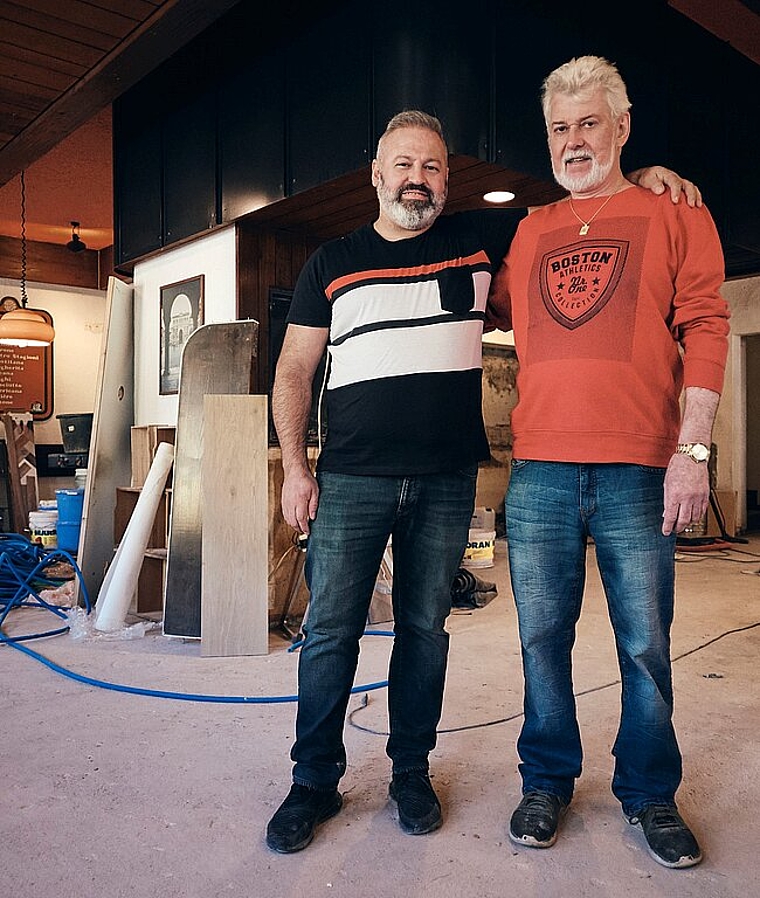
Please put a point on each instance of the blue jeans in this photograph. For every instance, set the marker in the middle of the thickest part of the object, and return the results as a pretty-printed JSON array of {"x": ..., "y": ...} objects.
[
  {"x": 428, "y": 517},
  {"x": 551, "y": 510}
]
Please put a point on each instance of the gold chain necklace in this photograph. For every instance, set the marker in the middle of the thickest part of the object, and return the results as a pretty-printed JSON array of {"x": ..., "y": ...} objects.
[{"x": 586, "y": 224}]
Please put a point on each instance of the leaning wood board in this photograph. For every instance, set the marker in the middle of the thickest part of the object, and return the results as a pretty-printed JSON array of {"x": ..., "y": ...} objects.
[
  {"x": 217, "y": 359},
  {"x": 234, "y": 581},
  {"x": 109, "y": 462}
]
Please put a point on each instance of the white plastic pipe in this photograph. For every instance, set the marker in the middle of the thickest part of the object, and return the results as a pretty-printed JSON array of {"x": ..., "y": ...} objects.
[{"x": 121, "y": 578}]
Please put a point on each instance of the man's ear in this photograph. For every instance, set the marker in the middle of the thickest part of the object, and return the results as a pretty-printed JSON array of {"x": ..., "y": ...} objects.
[
  {"x": 624, "y": 128},
  {"x": 375, "y": 171}
]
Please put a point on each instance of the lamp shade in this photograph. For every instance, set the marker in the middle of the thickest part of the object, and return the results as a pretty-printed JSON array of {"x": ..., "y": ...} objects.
[{"x": 24, "y": 327}]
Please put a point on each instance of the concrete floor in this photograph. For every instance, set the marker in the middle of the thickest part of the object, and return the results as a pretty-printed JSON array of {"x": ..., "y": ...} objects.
[{"x": 109, "y": 793}]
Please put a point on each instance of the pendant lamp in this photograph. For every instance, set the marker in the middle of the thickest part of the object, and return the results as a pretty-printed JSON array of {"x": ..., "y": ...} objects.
[
  {"x": 76, "y": 244},
  {"x": 24, "y": 327}
]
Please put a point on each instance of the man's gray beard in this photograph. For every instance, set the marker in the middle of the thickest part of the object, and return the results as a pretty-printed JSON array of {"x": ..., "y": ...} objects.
[
  {"x": 582, "y": 183},
  {"x": 413, "y": 215}
]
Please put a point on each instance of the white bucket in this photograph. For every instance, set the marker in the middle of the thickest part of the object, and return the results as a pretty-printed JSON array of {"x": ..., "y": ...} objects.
[
  {"x": 483, "y": 519},
  {"x": 479, "y": 551},
  {"x": 43, "y": 528}
]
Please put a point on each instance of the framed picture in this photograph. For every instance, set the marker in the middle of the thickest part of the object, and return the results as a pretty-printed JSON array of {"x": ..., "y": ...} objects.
[{"x": 181, "y": 314}]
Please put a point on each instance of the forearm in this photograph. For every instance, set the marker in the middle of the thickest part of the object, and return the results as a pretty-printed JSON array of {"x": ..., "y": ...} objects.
[
  {"x": 291, "y": 407},
  {"x": 687, "y": 482},
  {"x": 700, "y": 408}
]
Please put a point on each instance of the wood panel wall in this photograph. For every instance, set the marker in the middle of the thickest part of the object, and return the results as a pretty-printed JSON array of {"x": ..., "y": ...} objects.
[
  {"x": 266, "y": 259},
  {"x": 51, "y": 263}
]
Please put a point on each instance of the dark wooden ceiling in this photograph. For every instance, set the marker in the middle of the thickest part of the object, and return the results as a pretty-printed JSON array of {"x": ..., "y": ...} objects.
[{"x": 63, "y": 63}]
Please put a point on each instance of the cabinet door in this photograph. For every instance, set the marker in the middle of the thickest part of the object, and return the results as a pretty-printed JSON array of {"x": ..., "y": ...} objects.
[
  {"x": 189, "y": 139},
  {"x": 252, "y": 144},
  {"x": 137, "y": 173}
]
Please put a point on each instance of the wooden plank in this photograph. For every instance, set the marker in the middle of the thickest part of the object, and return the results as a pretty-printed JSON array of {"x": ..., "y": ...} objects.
[
  {"x": 217, "y": 359},
  {"x": 22, "y": 468},
  {"x": 234, "y": 486},
  {"x": 109, "y": 464}
]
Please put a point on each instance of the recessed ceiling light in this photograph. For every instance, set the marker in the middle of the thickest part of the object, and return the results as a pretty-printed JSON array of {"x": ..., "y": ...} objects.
[{"x": 498, "y": 196}]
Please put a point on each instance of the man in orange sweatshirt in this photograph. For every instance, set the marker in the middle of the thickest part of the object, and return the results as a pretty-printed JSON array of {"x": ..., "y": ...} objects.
[{"x": 613, "y": 296}]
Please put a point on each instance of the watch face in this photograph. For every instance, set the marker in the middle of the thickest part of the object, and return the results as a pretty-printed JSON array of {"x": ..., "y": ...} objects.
[{"x": 700, "y": 452}]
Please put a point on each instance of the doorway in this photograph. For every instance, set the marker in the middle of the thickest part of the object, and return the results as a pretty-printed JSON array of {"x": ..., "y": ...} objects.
[{"x": 752, "y": 371}]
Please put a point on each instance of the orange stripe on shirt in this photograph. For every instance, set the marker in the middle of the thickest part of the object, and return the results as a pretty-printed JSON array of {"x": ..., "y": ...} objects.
[{"x": 392, "y": 274}]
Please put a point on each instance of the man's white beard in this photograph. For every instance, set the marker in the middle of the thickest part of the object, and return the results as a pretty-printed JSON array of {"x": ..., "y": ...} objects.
[
  {"x": 581, "y": 183},
  {"x": 411, "y": 215}
]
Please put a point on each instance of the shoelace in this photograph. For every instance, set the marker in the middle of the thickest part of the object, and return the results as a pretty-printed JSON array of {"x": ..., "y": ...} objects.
[
  {"x": 664, "y": 817},
  {"x": 536, "y": 809}
]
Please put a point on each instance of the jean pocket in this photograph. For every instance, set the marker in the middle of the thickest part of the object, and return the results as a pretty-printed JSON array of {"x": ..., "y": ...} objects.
[{"x": 518, "y": 463}]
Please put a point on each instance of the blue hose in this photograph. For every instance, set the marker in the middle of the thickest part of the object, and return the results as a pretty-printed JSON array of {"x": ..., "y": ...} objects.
[{"x": 22, "y": 567}]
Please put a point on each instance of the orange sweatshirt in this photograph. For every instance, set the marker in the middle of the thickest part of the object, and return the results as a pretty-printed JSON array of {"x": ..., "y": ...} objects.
[{"x": 609, "y": 327}]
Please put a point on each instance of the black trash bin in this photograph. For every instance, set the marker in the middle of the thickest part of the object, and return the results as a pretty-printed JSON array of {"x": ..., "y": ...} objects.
[{"x": 75, "y": 432}]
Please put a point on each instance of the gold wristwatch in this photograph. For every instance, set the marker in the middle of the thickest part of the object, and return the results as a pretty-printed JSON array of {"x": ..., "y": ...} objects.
[{"x": 697, "y": 452}]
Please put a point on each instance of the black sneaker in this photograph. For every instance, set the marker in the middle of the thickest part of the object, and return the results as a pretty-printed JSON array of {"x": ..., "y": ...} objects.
[
  {"x": 669, "y": 840},
  {"x": 536, "y": 819},
  {"x": 293, "y": 825},
  {"x": 419, "y": 810}
]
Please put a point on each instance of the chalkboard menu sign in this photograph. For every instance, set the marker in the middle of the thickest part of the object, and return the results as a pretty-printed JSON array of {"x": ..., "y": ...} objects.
[{"x": 26, "y": 377}]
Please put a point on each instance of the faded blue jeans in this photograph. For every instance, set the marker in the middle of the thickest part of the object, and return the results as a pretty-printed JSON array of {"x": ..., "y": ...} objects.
[
  {"x": 551, "y": 510},
  {"x": 428, "y": 517}
]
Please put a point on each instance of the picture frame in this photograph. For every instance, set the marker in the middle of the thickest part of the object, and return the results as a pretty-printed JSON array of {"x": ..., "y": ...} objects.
[{"x": 181, "y": 312}]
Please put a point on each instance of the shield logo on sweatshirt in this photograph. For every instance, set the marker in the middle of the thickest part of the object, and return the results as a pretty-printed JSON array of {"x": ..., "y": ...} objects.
[{"x": 578, "y": 280}]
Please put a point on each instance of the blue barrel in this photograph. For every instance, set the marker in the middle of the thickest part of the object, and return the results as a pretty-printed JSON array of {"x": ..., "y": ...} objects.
[{"x": 70, "y": 507}]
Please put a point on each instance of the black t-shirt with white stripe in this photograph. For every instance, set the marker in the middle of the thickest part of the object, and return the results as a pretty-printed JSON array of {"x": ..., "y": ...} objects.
[{"x": 404, "y": 392}]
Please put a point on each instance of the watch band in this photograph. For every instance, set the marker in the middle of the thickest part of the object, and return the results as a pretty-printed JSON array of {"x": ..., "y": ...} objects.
[{"x": 697, "y": 452}]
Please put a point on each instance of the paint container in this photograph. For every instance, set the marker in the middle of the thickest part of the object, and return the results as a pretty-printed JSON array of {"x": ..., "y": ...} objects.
[
  {"x": 70, "y": 507},
  {"x": 483, "y": 519},
  {"x": 43, "y": 528},
  {"x": 480, "y": 548}
]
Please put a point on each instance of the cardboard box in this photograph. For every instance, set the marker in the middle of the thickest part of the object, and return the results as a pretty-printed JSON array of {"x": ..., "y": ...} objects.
[{"x": 726, "y": 501}]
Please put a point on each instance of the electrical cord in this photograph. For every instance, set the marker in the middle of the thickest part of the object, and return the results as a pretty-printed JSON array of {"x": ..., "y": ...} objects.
[
  {"x": 24, "y": 564},
  {"x": 517, "y": 715}
]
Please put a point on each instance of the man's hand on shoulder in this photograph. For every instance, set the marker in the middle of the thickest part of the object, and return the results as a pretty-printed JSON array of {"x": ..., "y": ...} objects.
[{"x": 659, "y": 179}]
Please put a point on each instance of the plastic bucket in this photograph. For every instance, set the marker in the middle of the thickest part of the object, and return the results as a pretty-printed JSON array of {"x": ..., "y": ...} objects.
[
  {"x": 68, "y": 536},
  {"x": 70, "y": 507},
  {"x": 479, "y": 551},
  {"x": 42, "y": 527}
]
